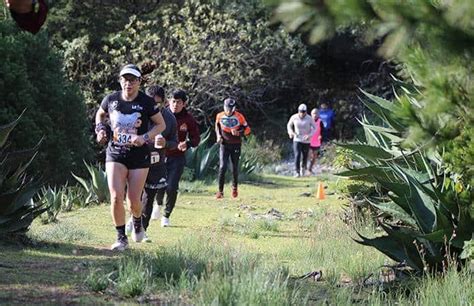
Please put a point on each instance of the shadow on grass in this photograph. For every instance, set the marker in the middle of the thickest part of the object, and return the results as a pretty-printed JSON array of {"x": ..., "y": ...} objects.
[{"x": 36, "y": 271}]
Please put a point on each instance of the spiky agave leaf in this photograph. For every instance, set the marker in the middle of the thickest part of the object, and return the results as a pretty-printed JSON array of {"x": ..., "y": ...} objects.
[{"x": 16, "y": 189}]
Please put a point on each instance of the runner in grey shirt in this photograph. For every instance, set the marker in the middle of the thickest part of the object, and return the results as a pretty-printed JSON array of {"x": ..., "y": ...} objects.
[{"x": 300, "y": 128}]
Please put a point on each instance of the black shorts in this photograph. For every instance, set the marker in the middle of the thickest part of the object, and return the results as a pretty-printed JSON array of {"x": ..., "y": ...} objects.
[
  {"x": 315, "y": 149},
  {"x": 135, "y": 158}
]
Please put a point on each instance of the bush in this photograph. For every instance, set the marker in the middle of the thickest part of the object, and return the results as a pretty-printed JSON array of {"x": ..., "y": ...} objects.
[
  {"x": 33, "y": 80},
  {"x": 430, "y": 214},
  {"x": 17, "y": 209}
]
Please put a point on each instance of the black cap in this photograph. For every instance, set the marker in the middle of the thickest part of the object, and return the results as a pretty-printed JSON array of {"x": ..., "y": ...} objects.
[
  {"x": 155, "y": 90},
  {"x": 229, "y": 103}
]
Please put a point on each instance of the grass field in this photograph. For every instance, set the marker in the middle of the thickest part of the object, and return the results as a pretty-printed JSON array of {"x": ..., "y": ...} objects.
[{"x": 248, "y": 251}]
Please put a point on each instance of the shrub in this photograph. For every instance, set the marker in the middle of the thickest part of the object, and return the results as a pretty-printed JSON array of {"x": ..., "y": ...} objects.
[
  {"x": 17, "y": 209},
  {"x": 33, "y": 80},
  {"x": 430, "y": 219},
  {"x": 97, "y": 189}
]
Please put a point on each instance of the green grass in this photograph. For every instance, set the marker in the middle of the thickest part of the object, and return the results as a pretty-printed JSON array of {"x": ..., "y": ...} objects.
[{"x": 244, "y": 251}]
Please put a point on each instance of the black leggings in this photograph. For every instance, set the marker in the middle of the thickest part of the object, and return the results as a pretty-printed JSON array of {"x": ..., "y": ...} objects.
[
  {"x": 147, "y": 205},
  {"x": 300, "y": 149},
  {"x": 225, "y": 151}
]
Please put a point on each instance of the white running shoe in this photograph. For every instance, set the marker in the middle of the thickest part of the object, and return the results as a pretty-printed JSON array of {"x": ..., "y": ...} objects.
[
  {"x": 129, "y": 226},
  {"x": 145, "y": 238},
  {"x": 165, "y": 222},
  {"x": 120, "y": 245},
  {"x": 155, "y": 215},
  {"x": 138, "y": 236}
]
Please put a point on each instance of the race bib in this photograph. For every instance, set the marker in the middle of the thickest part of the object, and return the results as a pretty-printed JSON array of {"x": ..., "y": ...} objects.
[
  {"x": 154, "y": 157},
  {"x": 122, "y": 138}
]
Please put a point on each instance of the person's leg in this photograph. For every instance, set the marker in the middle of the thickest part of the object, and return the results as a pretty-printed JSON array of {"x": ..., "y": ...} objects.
[
  {"x": 224, "y": 153},
  {"x": 297, "y": 153},
  {"x": 160, "y": 196},
  {"x": 147, "y": 205},
  {"x": 116, "y": 181},
  {"x": 177, "y": 168},
  {"x": 312, "y": 159},
  {"x": 136, "y": 183},
  {"x": 234, "y": 157},
  {"x": 304, "y": 153}
]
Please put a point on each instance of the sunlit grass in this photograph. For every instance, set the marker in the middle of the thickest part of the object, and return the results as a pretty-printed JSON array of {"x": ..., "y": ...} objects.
[{"x": 248, "y": 251}]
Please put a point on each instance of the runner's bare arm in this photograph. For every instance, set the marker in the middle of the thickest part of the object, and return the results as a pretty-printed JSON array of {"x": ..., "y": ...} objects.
[
  {"x": 159, "y": 127},
  {"x": 100, "y": 127}
]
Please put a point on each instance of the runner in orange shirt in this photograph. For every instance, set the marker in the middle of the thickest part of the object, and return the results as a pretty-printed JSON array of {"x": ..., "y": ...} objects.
[{"x": 230, "y": 127}]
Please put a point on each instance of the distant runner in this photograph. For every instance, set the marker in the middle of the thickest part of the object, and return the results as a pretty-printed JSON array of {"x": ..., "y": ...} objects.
[
  {"x": 327, "y": 116},
  {"x": 231, "y": 126},
  {"x": 315, "y": 144},
  {"x": 300, "y": 128}
]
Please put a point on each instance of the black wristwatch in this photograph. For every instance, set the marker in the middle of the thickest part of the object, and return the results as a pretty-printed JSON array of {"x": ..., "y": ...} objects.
[{"x": 146, "y": 137}]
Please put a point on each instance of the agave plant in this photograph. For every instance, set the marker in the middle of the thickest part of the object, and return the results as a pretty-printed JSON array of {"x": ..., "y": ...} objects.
[
  {"x": 50, "y": 197},
  {"x": 204, "y": 158},
  {"x": 429, "y": 216},
  {"x": 96, "y": 188},
  {"x": 17, "y": 209}
]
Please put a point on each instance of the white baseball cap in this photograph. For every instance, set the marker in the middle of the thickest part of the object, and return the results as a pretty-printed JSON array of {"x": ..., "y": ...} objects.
[{"x": 302, "y": 108}]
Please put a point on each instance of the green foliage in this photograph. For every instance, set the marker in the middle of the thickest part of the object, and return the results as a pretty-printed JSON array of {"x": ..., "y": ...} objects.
[
  {"x": 52, "y": 199},
  {"x": 96, "y": 188},
  {"x": 433, "y": 45},
  {"x": 62, "y": 232},
  {"x": 263, "y": 151},
  {"x": 17, "y": 209},
  {"x": 468, "y": 250},
  {"x": 429, "y": 221},
  {"x": 134, "y": 276},
  {"x": 32, "y": 79},
  {"x": 212, "y": 51},
  {"x": 96, "y": 280},
  {"x": 203, "y": 159}
]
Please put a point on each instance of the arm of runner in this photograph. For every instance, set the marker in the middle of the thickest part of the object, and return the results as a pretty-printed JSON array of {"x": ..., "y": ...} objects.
[
  {"x": 290, "y": 128},
  {"x": 313, "y": 127},
  {"x": 149, "y": 136},
  {"x": 100, "y": 126},
  {"x": 244, "y": 127},
  {"x": 194, "y": 135},
  {"x": 218, "y": 130},
  {"x": 172, "y": 140}
]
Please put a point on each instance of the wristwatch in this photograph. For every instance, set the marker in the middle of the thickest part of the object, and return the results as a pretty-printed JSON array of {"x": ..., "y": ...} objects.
[{"x": 146, "y": 137}]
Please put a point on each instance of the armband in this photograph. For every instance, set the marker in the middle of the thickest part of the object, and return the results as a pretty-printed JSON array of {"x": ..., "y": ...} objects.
[{"x": 100, "y": 127}]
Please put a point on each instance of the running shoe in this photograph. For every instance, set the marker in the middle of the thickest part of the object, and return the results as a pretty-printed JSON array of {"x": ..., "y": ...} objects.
[
  {"x": 219, "y": 195},
  {"x": 138, "y": 235},
  {"x": 165, "y": 222},
  {"x": 235, "y": 192},
  {"x": 120, "y": 245},
  {"x": 145, "y": 238}
]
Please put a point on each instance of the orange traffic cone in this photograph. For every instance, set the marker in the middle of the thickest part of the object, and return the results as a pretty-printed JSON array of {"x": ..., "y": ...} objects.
[{"x": 320, "y": 192}]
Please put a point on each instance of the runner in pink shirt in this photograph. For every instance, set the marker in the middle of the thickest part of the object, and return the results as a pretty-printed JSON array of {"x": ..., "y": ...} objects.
[{"x": 315, "y": 144}]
